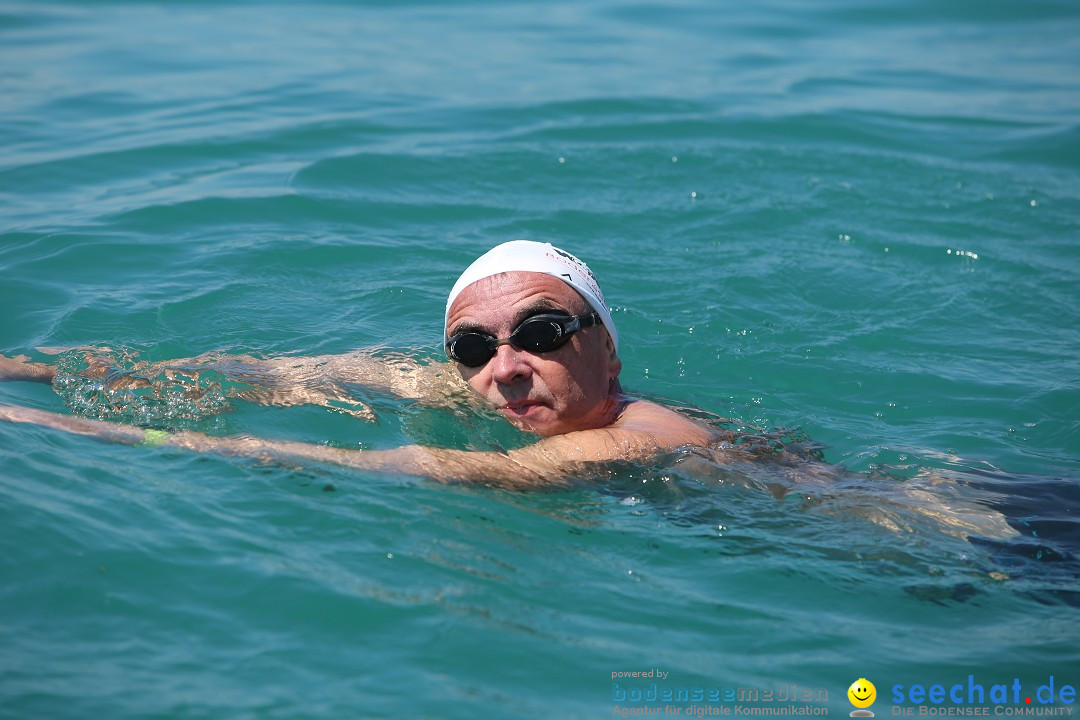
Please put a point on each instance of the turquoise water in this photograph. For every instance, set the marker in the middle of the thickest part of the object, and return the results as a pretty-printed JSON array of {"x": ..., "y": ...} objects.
[{"x": 856, "y": 220}]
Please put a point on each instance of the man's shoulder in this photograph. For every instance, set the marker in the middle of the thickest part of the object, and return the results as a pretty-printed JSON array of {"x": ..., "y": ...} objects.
[
  {"x": 641, "y": 430},
  {"x": 668, "y": 426}
]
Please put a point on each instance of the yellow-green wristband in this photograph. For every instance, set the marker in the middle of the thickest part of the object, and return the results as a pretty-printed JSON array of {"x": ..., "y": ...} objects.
[{"x": 153, "y": 438}]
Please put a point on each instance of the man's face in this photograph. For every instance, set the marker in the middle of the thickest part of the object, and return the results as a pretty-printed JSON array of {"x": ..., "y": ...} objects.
[{"x": 560, "y": 391}]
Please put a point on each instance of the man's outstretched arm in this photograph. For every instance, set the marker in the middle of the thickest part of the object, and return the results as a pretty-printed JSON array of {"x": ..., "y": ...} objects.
[
  {"x": 282, "y": 381},
  {"x": 487, "y": 468},
  {"x": 20, "y": 368}
]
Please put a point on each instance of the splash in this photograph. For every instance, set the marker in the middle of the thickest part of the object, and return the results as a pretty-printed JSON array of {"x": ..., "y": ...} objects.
[{"x": 108, "y": 384}]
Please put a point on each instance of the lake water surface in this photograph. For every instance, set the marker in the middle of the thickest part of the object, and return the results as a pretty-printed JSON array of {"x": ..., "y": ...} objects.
[{"x": 848, "y": 222}]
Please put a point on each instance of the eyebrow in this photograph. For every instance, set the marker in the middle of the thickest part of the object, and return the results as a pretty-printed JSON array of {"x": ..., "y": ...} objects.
[{"x": 540, "y": 306}]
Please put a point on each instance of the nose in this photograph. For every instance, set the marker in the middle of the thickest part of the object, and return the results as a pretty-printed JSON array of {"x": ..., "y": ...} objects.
[{"x": 509, "y": 365}]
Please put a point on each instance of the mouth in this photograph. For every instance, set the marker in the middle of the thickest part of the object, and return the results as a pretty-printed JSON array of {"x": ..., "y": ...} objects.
[{"x": 521, "y": 408}]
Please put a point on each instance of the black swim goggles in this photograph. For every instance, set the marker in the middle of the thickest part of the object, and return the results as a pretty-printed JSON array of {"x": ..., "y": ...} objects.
[{"x": 539, "y": 334}]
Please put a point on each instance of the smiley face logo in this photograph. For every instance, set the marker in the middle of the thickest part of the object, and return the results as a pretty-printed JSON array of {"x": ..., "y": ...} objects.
[{"x": 862, "y": 694}]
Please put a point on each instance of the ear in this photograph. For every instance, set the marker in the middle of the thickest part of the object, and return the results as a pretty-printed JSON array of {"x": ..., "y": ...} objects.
[{"x": 614, "y": 363}]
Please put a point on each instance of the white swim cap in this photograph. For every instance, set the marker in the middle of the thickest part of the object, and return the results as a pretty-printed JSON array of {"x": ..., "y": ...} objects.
[{"x": 530, "y": 256}]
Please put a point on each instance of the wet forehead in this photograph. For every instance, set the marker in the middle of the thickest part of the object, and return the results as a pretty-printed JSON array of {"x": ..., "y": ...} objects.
[{"x": 507, "y": 298}]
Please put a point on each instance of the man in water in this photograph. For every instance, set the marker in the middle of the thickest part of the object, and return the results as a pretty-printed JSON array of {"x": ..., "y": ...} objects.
[{"x": 526, "y": 326}]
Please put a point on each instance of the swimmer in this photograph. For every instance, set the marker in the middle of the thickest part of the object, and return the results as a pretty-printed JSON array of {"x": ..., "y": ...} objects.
[{"x": 527, "y": 333}]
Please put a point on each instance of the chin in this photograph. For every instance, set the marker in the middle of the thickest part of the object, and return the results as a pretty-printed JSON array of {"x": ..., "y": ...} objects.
[{"x": 540, "y": 420}]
